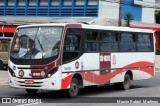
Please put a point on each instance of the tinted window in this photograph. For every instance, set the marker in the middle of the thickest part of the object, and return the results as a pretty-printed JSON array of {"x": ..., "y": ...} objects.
[
  {"x": 127, "y": 42},
  {"x": 71, "y": 48},
  {"x": 108, "y": 41},
  {"x": 145, "y": 42},
  {"x": 92, "y": 41}
]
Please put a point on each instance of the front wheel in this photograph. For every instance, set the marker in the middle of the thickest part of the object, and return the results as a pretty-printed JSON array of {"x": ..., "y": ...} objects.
[
  {"x": 125, "y": 84},
  {"x": 32, "y": 91},
  {"x": 74, "y": 88}
]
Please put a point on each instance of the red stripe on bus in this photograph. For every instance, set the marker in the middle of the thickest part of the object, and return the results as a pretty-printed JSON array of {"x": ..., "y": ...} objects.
[
  {"x": 66, "y": 81},
  {"x": 102, "y": 79}
]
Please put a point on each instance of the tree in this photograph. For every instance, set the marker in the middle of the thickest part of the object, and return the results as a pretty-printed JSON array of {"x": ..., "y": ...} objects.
[
  {"x": 157, "y": 16},
  {"x": 158, "y": 13},
  {"x": 128, "y": 18}
]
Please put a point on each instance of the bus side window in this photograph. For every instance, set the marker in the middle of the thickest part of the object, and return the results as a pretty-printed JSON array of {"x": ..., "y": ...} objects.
[
  {"x": 71, "y": 46},
  {"x": 71, "y": 43},
  {"x": 92, "y": 41},
  {"x": 108, "y": 41},
  {"x": 144, "y": 42},
  {"x": 127, "y": 43}
]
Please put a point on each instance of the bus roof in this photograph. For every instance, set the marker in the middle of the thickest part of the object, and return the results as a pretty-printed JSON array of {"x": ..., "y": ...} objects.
[
  {"x": 116, "y": 28},
  {"x": 87, "y": 26}
]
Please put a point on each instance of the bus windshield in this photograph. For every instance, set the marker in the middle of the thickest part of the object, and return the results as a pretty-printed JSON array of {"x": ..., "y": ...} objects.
[{"x": 36, "y": 42}]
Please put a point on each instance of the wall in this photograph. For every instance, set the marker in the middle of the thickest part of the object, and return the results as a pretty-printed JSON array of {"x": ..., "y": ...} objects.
[
  {"x": 135, "y": 10},
  {"x": 138, "y": 9},
  {"x": 148, "y": 13},
  {"x": 148, "y": 10},
  {"x": 108, "y": 10},
  {"x": 50, "y": 8}
]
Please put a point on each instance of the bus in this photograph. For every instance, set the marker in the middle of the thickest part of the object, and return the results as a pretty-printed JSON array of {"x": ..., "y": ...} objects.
[
  {"x": 4, "y": 48},
  {"x": 70, "y": 56}
]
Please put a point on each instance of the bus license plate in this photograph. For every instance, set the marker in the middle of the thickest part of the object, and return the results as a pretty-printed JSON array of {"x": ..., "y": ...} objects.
[{"x": 29, "y": 81}]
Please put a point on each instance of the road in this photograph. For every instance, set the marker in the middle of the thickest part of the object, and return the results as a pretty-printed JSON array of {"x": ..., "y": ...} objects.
[{"x": 100, "y": 94}]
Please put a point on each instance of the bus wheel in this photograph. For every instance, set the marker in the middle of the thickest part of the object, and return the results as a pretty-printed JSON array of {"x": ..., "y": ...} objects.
[
  {"x": 32, "y": 91},
  {"x": 1, "y": 64},
  {"x": 74, "y": 88},
  {"x": 125, "y": 84}
]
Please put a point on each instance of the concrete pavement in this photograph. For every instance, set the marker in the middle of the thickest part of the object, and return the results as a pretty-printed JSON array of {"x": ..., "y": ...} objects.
[{"x": 3, "y": 78}]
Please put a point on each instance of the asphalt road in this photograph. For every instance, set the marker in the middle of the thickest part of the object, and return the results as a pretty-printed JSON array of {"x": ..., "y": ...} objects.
[{"x": 140, "y": 90}]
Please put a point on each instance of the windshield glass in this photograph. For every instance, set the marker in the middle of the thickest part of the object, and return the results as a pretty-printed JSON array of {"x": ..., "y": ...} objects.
[{"x": 36, "y": 42}]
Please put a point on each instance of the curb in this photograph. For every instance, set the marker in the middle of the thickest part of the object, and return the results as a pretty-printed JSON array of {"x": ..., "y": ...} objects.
[{"x": 4, "y": 84}]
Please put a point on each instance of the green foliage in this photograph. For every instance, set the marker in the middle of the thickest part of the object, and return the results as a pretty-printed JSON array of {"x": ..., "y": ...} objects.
[
  {"x": 158, "y": 13},
  {"x": 128, "y": 18},
  {"x": 158, "y": 51}
]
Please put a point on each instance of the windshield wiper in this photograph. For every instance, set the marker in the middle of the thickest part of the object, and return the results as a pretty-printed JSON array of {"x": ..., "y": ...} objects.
[{"x": 40, "y": 45}]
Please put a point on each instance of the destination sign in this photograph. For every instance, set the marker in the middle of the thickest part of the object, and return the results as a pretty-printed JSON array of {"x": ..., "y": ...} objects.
[{"x": 40, "y": 31}]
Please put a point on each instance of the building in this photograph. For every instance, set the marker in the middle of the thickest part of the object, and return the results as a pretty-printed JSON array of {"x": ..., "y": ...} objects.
[
  {"x": 43, "y": 8},
  {"x": 49, "y": 8},
  {"x": 17, "y": 12},
  {"x": 141, "y": 10}
]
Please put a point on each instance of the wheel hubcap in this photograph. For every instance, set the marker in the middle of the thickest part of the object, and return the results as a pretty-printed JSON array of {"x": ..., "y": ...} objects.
[
  {"x": 127, "y": 82},
  {"x": 73, "y": 88}
]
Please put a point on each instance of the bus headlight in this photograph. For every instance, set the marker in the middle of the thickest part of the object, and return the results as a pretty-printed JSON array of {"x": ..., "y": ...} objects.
[
  {"x": 11, "y": 72},
  {"x": 49, "y": 75},
  {"x": 51, "y": 72}
]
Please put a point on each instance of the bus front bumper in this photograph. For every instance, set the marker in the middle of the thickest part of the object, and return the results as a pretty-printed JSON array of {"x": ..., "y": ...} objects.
[{"x": 43, "y": 84}]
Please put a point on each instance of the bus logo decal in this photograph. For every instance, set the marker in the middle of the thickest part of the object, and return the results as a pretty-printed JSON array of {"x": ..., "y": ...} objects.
[
  {"x": 21, "y": 73},
  {"x": 14, "y": 67},
  {"x": 77, "y": 65},
  {"x": 42, "y": 74}
]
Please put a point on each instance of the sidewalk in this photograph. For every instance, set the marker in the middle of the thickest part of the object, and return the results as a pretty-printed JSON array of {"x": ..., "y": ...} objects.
[{"x": 3, "y": 78}]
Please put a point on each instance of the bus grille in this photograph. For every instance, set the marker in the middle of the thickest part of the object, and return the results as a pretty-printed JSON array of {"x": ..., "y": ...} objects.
[
  {"x": 35, "y": 84},
  {"x": 30, "y": 85}
]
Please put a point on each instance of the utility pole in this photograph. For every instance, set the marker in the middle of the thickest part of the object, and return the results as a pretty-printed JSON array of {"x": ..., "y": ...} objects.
[{"x": 120, "y": 13}]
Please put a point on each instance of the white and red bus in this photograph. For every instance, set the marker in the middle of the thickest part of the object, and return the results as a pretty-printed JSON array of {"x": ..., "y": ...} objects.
[{"x": 70, "y": 56}]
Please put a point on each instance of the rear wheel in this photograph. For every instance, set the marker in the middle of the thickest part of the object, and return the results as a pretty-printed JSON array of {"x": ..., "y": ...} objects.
[
  {"x": 1, "y": 64},
  {"x": 74, "y": 88},
  {"x": 125, "y": 84},
  {"x": 32, "y": 91}
]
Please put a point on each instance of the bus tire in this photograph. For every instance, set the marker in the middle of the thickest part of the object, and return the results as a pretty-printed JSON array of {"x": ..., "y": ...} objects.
[
  {"x": 74, "y": 88},
  {"x": 32, "y": 91},
  {"x": 1, "y": 64},
  {"x": 125, "y": 84}
]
